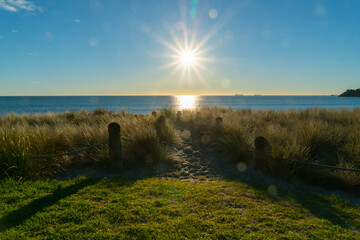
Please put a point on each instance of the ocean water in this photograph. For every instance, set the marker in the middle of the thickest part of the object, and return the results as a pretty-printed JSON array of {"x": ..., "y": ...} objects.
[{"x": 147, "y": 104}]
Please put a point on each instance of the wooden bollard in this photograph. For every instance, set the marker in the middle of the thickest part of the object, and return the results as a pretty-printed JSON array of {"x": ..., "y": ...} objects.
[
  {"x": 153, "y": 113},
  {"x": 197, "y": 116},
  {"x": 115, "y": 158},
  {"x": 178, "y": 116},
  {"x": 161, "y": 127},
  {"x": 260, "y": 154},
  {"x": 260, "y": 143},
  {"x": 218, "y": 126}
]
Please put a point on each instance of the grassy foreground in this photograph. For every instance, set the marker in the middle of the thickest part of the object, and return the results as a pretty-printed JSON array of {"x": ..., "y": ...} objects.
[{"x": 168, "y": 209}]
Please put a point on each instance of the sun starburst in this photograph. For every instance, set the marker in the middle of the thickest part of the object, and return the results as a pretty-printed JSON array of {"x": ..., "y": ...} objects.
[
  {"x": 189, "y": 53},
  {"x": 186, "y": 57}
]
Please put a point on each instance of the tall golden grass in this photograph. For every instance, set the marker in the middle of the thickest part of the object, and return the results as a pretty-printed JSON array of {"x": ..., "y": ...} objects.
[
  {"x": 27, "y": 135},
  {"x": 330, "y": 137}
]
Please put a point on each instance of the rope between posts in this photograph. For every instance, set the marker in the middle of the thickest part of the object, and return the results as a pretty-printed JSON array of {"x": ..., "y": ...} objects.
[
  {"x": 77, "y": 151},
  {"x": 325, "y": 166},
  {"x": 127, "y": 139},
  {"x": 72, "y": 152},
  {"x": 261, "y": 143}
]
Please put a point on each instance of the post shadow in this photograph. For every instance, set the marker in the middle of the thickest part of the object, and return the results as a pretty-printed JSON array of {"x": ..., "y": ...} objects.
[
  {"x": 324, "y": 209},
  {"x": 315, "y": 203},
  {"x": 18, "y": 216}
]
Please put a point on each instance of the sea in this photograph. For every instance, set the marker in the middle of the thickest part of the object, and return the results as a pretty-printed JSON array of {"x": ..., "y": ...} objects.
[{"x": 147, "y": 104}]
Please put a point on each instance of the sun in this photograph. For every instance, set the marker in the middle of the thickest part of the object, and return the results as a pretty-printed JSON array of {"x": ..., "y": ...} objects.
[
  {"x": 189, "y": 50},
  {"x": 187, "y": 55},
  {"x": 187, "y": 58}
]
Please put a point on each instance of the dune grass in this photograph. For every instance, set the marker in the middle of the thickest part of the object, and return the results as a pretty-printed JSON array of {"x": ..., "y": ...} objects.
[
  {"x": 24, "y": 136},
  {"x": 115, "y": 208},
  {"x": 330, "y": 137}
]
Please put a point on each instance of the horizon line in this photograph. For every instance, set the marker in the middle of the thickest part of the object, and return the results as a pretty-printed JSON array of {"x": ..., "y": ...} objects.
[{"x": 141, "y": 95}]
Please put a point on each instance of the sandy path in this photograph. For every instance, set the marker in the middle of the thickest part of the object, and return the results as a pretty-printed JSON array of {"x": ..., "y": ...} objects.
[{"x": 191, "y": 164}]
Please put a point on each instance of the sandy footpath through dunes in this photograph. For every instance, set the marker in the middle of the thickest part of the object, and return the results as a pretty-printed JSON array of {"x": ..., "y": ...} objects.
[{"x": 193, "y": 162}]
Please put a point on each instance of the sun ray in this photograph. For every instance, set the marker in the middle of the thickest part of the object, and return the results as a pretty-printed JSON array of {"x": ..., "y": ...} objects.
[
  {"x": 230, "y": 13},
  {"x": 202, "y": 59},
  {"x": 176, "y": 40},
  {"x": 167, "y": 66},
  {"x": 187, "y": 52},
  {"x": 166, "y": 44},
  {"x": 199, "y": 75}
]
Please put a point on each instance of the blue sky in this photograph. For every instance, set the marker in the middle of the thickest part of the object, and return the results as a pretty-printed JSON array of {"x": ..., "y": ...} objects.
[{"x": 93, "y": 47}]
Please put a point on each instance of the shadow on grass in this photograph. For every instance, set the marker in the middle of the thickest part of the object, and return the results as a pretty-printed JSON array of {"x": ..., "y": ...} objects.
[
  {"x": 324, "y": 208},
  {"x": 320, "y": 206},
  {"x": 18, "y": 216}
]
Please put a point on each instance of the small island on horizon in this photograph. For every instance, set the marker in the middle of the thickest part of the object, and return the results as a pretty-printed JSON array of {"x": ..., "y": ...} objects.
[{"x": 351, "y": 93}]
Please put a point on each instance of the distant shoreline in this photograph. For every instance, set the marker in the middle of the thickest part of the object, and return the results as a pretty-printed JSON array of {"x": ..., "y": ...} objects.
[{"x": 351, "y": 93}]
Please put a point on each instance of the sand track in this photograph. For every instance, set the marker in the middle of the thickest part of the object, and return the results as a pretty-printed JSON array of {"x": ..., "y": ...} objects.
[{"x": 192, "y": 163}]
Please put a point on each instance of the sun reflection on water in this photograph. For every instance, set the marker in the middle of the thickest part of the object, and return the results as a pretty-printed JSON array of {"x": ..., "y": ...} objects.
[{"x": 186, "y": 101}]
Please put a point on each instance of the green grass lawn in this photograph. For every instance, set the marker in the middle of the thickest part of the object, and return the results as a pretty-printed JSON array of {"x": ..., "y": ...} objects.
[{"x": 114, "y": 208}]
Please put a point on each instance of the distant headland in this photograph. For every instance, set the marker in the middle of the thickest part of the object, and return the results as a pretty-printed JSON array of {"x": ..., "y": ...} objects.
[{"x": 351, "y": 93}]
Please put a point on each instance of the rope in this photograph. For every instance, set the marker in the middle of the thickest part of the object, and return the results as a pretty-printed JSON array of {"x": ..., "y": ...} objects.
[
  {"x": 77, "y": 151},
  {"x": 72, "y": 152},
  {"x": 325, "y": 166},
  {"x": 127, "y": 139}
]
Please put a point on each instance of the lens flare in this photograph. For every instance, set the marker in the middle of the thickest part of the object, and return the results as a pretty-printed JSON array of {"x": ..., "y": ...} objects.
[
  {"x": 186, "y": 55},
  {"x": 187, "y": 51}
]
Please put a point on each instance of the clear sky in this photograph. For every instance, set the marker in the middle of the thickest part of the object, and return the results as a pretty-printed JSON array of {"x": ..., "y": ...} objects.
[{"x": 93, "y": 47}]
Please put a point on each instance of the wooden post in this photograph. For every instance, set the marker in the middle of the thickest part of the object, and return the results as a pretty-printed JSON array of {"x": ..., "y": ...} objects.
[
  {"x": 197, "y": 116},
  {"x": 115, "y": 158},
  {"x": 161, "y": 127},
  {"x": 260, "y": 143},
  {"x": 219, "y": 121},
  {"x": 218, "y": 126},
  {"x": 259, "y": 157},
  {"x": 153, "y": 113},
  {"x": 178, "y": 116}
]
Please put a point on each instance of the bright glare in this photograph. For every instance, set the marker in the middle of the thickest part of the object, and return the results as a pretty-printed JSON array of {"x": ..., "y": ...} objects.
[
  {"x": 187, "y": 58},
  {"x": 187, "y": 53},
  {"x": 186, "y": 102}
]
